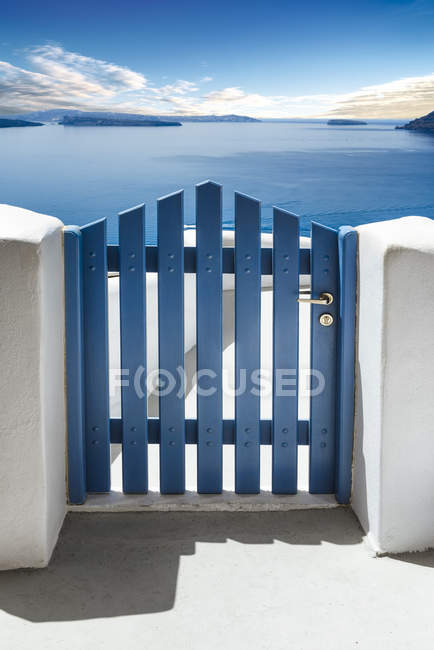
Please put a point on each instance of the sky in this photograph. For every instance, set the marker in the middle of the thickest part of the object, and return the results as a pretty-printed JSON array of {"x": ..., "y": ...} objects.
[{"x": 271, "y": 59}]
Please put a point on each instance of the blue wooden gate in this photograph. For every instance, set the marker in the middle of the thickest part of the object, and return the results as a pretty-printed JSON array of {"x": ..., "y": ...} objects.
[{"x": 331, "y": 263}]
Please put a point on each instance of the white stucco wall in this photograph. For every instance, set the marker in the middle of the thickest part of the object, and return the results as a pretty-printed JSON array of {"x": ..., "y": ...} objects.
[
  {"x": 393, "y": 491},
  {"x": 32, "y": 414}
]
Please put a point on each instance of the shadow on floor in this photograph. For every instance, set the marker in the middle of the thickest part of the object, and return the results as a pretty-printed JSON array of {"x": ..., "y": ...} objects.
[
  {"x": 119, "y": 564},
  {"x": 424, "y": 558}
]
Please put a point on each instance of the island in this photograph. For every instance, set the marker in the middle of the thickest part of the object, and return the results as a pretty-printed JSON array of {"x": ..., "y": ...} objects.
[
  {"x": 213, "y": 118},
  {"x": 339, "y": 122},
  {"x": 56, "y": 116},
  {"x": 7, "y": 124},
  {"x": 423, "y": 124},
  {"x": 110, "y": 121}
]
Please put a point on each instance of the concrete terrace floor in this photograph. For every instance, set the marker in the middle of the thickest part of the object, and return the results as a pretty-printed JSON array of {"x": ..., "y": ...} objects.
[{"x": 268, "y": 580}]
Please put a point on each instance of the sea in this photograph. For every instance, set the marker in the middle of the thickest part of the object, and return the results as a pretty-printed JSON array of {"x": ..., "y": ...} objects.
[{"x": 335, "y": 175}]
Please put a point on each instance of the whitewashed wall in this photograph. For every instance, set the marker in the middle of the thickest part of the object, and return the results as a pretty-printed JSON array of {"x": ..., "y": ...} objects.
[
  {"x": 393, "y": 493},
  {"x": 32, "y": 413}
]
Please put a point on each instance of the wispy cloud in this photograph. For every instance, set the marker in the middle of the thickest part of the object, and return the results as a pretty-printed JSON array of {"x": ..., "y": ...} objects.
[
  {"x": 56, "y": 78},
  {"x": 60, "y": 79},
  {"x": 55, "y": 62},
  {"x": 407, "y": 97},
  {"x": 180, "y": 87}
]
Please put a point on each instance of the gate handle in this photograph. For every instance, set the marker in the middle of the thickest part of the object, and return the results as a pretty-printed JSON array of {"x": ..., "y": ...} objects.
[{"x": 324, "y": 298}]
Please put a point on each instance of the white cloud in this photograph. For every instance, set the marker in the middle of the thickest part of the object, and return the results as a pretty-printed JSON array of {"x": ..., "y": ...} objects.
[
  {"x": 235, "y": 100},
  {"x": 55, "y": 62},
  {"x": 180, "y": 87},
  {"x": 407, "y": 97},
  {"x": 226, "y": 95},
  {"x": 57, "y": 78},
  {"x": 61, "y": 79}
]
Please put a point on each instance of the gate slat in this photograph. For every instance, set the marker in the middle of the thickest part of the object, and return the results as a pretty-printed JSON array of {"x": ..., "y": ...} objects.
[
  {"x": 96, "y": 356},
  {"x": 325, "y": 277},
  {"x": 285, "y": 351},
  {"x": 74, "y": 365},
  {"x": 347, "y": 242},
  {"x": 132, "y": 294},
  {"x": 247, "y": 343},
  {"x": 209, "y": 335},
  {"x": 171, "y": 340}
]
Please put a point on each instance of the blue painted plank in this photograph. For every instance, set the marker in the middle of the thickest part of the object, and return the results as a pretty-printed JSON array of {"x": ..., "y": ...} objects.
[
  {"x": 285, "y": 351},
  {"x": 247, "y": 343},
  {"x": 325, "y": 277},
  {"x": 171, "y": 340},
  {"x": 191, "y": 431},
  {"x": 132, "y": 288},
  {"x": 96, "y": 356},
  {"x": 190, "y": 260},
  {"x": 209, "y": 337},
  {"x": 347, "y": 242},
  {"x": 74, "y": 366}
]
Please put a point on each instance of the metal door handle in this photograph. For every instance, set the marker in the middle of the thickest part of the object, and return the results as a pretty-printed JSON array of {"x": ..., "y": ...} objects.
[{"x": 324, "y": 299}]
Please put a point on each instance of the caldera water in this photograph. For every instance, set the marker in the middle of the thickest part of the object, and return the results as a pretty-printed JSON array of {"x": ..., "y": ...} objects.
[{"x": 334, "y": 175}]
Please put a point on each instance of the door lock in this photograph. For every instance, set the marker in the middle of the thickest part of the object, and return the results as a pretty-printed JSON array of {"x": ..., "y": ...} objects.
[{"x": 326, "y": 320}]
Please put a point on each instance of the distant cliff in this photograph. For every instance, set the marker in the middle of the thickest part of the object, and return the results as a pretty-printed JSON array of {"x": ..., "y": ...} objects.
[
  {"x": 212, "y": 118},
  {"x": 424, "y": 124},
  {"x": 346, "y": 122},
  {"x": 4, "y": 124},
  {"x": 98, "y": 121}
]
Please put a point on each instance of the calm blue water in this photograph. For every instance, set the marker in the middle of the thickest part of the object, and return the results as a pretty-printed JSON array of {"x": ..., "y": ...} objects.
[{"x": 335, "y": 175}]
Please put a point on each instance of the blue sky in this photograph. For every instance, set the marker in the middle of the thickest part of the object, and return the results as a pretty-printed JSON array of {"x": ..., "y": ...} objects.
[{"x": 370, "y": 58}]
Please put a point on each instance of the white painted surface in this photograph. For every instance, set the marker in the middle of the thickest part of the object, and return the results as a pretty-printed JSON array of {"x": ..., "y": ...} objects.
[
  {"x": 393, "y": 492},
  {"x": 32, "y": 414}
]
